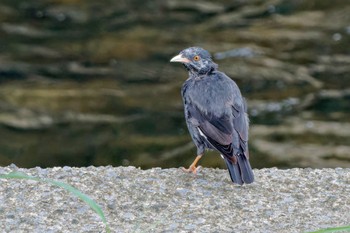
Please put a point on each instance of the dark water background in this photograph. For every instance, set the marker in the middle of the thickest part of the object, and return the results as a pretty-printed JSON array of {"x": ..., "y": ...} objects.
[{"x": 90, "y": 83}]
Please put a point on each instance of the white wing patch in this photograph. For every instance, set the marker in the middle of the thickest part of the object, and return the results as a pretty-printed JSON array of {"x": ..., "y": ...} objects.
[{"x": 201, "y": 133}]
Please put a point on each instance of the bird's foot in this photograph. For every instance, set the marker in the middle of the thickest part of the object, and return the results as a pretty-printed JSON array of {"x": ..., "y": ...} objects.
[{"x": 192, "y": 169}]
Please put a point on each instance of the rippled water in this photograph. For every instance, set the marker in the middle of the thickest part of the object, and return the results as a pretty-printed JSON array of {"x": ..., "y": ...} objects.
[{"x": 89, "y": 83}]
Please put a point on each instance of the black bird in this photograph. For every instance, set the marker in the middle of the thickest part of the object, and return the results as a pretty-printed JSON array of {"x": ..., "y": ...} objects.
[{"x": 216, "y": 113}]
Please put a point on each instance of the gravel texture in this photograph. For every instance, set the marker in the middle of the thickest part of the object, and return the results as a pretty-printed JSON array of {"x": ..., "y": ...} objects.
[{"x": 169, "y": 200}]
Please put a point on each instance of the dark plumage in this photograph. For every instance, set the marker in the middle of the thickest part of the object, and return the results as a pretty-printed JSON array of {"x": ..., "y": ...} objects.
[{"x": 215, "y": 113}]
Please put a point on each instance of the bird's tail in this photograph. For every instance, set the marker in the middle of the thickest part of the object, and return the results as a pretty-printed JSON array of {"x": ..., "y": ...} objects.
[{"x": 240, "y": 172}]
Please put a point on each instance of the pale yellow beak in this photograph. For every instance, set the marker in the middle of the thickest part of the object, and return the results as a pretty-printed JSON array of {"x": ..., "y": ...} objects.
[{"x": 180, "y": 58}]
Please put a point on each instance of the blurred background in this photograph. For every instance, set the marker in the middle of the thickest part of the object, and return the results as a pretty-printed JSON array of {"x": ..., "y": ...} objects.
[{"x": 89, "y": 82}]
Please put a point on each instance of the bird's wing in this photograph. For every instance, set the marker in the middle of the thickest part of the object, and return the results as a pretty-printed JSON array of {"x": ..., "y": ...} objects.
[
  {"x": 218, "y": 130},
  {"x": 224, "y": 121},
  {"x": 241, "y": 124},
  {"x": 240, "y": 119}
]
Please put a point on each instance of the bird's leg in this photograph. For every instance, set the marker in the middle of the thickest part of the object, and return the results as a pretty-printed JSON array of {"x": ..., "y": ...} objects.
[{"x": 193, "y": 169}]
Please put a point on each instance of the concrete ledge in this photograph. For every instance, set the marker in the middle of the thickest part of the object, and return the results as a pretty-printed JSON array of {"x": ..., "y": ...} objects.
[{"x": 168, "y": 200}]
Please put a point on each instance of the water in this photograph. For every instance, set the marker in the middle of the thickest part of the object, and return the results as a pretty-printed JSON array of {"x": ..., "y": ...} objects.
[{"x": 86, "y": 83}]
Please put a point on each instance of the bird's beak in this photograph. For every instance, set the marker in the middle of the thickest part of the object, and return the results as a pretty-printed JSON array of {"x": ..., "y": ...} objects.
[{"x": 179, "y": 58}]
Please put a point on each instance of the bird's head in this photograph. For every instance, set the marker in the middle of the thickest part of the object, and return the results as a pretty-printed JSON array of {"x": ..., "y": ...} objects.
[{"x": 196, "y": 60}]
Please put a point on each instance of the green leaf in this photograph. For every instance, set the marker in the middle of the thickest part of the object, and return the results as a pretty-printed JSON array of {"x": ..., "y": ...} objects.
[
  {"x": 93, "y": 205},
  {"x": 330, "y": 230}
]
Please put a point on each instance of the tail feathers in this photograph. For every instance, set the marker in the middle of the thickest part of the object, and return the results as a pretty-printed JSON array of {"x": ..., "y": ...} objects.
[
  {"x": 246, "y": 169},
  {"x": 241, "y": 172},
  {"x": 234, "y": 171}
]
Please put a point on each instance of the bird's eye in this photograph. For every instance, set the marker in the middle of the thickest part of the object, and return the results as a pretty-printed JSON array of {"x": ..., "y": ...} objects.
[{"x": 196, "y": 58}]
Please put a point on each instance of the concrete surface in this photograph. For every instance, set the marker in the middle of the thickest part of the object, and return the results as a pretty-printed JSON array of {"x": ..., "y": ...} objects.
[{"x": 169, "y": 200}]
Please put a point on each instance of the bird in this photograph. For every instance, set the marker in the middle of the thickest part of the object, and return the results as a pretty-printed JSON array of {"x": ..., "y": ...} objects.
[{"x": 215, "y": 113}]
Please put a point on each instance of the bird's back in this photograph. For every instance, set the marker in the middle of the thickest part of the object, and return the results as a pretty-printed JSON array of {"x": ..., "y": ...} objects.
[
  {"x": 217, "y": 100},
  {"x": 213, "y": 93}
]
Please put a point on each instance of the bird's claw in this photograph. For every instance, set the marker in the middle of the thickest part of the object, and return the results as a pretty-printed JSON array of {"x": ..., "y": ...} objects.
[{"x": 192, "y": 169}]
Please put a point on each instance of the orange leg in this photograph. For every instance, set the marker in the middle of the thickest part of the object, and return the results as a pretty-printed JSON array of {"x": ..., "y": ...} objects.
[{"x": 193, "y": 169}]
